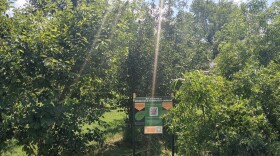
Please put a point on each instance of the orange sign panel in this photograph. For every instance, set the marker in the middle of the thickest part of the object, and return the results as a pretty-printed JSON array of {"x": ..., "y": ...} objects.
[
  {"x": 152, "y": 129},
  {"x": 139, "y": 106},
  {"x": 167, "y": 105}
]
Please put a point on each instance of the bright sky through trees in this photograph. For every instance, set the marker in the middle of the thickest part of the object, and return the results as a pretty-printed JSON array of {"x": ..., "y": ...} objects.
[{"x": 20, "y": 3}]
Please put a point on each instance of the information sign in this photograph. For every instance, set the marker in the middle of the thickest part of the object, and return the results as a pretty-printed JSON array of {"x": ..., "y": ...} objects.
[{"x": 148, "y": 112}]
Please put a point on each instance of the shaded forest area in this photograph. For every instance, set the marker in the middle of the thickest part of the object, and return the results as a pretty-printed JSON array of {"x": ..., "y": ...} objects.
[{"x": 64, "y": 63}]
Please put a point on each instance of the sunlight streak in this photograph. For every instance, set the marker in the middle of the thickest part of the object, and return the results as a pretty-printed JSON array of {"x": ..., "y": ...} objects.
[
  {"x": 108, "y": 11},
  {"x": 157, "y": 49},
  {"x": 117, "y": 16}
]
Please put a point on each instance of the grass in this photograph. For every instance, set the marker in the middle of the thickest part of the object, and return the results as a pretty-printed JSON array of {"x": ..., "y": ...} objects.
[
  {"x": 113, "y": 130},
  {"x": 115, "y": 119},
  {"x": 114, "y": 145},
  {"x": 113, "y": 134}
]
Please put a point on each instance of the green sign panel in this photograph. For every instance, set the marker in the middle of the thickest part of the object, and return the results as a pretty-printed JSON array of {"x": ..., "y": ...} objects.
[
  {"x": 148, "y": 112},
  {"x": 153, "y": 112}
]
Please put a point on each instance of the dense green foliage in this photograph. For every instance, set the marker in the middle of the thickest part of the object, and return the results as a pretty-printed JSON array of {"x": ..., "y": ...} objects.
[
  {"x": 63, "y": 64},
  {"x": 233, "y": 109},
  {"x": 228, "y": 117},
  {"x": 54, "y": 76}
]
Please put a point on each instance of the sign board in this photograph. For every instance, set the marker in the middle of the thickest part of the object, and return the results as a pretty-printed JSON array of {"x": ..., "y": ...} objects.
[{"x": 148, "y": 112}]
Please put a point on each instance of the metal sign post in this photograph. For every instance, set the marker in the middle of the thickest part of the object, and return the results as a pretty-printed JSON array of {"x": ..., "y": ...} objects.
[
  {"x": 173, "y": 135},
  {"x": 147, "y": 112},
  {"x": 133, "y": 126}
]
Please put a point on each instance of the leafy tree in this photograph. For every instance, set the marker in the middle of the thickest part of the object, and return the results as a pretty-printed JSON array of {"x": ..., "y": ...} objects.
[
  {"x": 210, "y": 116},
  {"x": 54, "y": 77},
  {"x": 235, "y": 112},
  {"x": 6, "y": 29}
]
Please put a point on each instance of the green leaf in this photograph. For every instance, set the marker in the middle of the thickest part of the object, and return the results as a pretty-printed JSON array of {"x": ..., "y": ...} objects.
[
  {"x": 140, "y": 115},
  {"x": 199, "y": 112},
  {"x": 54, "y": 60}
]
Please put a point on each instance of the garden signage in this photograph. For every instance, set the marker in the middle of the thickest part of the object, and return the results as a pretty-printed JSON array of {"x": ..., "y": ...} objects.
[{"x": 148, "y": 112}]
